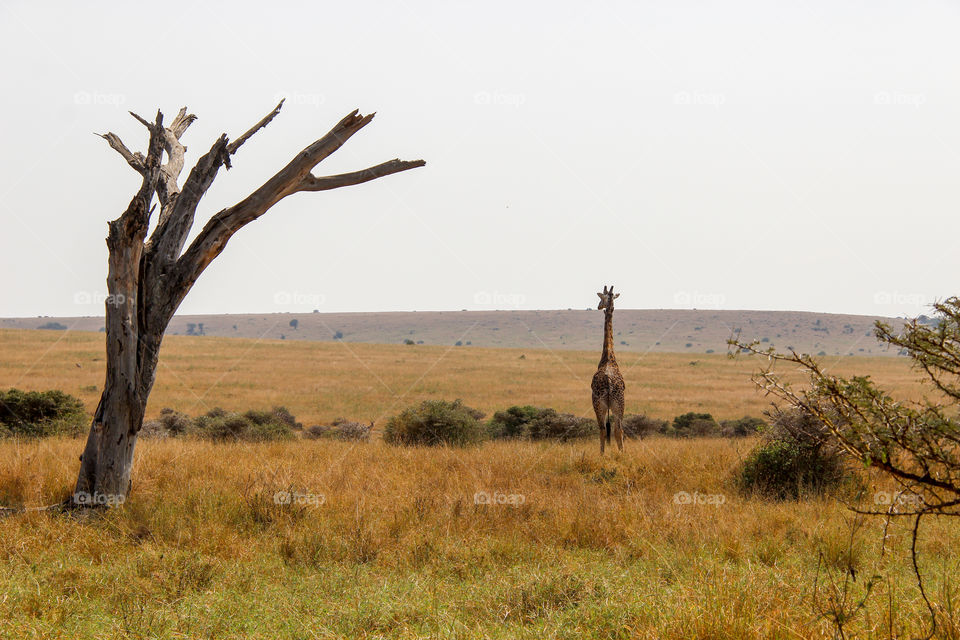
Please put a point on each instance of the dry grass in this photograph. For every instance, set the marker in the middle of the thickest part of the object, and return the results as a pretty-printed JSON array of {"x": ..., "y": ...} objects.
[
  {"x": 396, "y": 546},
  {"x": 322, "y": 381}
]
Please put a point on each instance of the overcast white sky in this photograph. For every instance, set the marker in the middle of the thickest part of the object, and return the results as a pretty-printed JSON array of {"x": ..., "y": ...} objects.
[{"x": 737, "y": 155}]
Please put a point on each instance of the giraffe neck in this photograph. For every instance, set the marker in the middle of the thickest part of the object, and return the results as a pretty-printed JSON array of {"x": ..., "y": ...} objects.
[{"x": 607, "y": 355}]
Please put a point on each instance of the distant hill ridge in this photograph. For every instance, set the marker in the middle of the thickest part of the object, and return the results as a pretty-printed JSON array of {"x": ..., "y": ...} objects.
[{"x": 636, "y": 330}]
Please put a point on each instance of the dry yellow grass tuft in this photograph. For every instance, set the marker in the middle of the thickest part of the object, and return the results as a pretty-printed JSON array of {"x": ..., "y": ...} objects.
[{"x": 329, "y": 539}]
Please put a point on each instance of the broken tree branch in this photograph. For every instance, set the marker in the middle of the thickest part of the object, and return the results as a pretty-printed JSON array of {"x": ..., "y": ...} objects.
[
  {"x": 137, "y": 216},
  {"x": 296, "y": 176},
  {"x": 181, "y": 122},
  {"x": 236, "y": 144},
  {"x": 167, "y": 187},
  {"x": 135, "y": 160},
  {"x": 144, "y": 121}
]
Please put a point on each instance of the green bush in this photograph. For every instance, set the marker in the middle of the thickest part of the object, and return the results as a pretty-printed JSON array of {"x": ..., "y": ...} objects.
[
  {"x": 692, "y": 424},
  {"x": 435, "y": 422},
  {"x": 641, "y": 426},
  {"x": 268, "y": 431},
  {"x": 219, "y": 426},
  {"x": 550, "y": 425},
  {"x": 253, "y": 426},
  {"x": 280, "y": 415},
  {"x": 512, "y": 422},
  {"x": 745, "y": 426},
  {"x": 797, "y": 457},
  {"x": 41, "y": 413},
  {"x": 539, "y": 423}
]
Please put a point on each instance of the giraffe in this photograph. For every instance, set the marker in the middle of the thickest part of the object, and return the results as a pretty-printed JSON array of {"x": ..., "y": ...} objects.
[{"x": 607, "y": 385}]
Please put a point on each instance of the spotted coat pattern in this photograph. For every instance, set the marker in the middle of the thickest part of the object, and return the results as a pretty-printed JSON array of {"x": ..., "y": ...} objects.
[{"x": 607, "y": 386}]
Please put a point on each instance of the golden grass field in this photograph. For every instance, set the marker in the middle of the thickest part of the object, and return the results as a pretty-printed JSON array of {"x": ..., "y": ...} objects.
[
  {"x": 320, "y": 381},
  {"x": 395, "y": 547},
  {"x": 389, "y": 542}
]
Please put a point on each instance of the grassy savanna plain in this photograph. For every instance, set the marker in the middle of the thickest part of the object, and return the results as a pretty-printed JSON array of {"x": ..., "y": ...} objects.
[
  {"x": 390, "y": 542},
  {"x": 320, "y": 381}
]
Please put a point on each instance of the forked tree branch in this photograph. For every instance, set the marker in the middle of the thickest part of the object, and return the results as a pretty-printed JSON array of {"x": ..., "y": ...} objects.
[
  {"x": 167, "y": 187},
  {"x": 175, "y": 222},
  {"x": 311, "y": 182},
  {"x": 174, "y": 225},
  {"x": 163, "y": 258},
  {"x": 170, "y": 171},
  {"x": 296, "y": 176}
]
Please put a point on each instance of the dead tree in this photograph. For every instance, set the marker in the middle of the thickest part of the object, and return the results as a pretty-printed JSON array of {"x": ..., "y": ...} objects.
[{"x": 148, "y": 277}]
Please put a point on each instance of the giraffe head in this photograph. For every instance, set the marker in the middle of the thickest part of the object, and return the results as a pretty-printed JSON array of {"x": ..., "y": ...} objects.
[{"x": 607, "y": 298}]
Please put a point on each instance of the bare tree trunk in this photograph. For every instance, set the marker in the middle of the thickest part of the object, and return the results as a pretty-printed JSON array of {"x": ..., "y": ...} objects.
[
  {"x": 108, "y": 456},
  {"x": 148, "y": 278}
]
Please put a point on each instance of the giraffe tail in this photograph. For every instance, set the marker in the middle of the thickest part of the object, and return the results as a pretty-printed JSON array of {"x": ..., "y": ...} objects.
[{"x": 608, "y": 429}]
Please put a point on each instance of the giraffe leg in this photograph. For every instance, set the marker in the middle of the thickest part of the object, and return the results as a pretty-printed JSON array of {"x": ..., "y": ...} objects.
[
  {"x": 600, "y": 408},
  {"x": 618, "y": 431},
  {"x": 616, "y": 417}
]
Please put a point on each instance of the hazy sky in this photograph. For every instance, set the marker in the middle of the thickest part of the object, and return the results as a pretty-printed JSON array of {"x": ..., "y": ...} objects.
[{"x": 736, "y": 155}]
